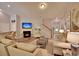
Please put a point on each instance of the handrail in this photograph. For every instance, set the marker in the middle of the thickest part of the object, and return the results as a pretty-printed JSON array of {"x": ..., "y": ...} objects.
[{"x": 48, "y": 29}]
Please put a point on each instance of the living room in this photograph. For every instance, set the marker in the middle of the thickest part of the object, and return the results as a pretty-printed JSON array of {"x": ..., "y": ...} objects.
[{"x": 39, "y": 28}]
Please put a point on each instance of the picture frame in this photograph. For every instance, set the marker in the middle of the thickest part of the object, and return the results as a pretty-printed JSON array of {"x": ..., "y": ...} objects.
[{"x": 74, "y": 20}]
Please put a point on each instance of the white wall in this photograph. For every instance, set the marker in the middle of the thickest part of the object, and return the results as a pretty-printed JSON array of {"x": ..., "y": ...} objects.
[
  {"x": 36, "y": 22},
  {"x": 4, "y": 22}
]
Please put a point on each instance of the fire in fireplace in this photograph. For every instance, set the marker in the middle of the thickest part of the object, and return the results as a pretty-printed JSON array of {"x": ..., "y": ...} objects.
[{"x": 26, "y": 34}]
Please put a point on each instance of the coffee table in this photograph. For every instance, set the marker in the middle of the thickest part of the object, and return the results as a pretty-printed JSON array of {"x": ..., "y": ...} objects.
[{"x": 25, "y": 40}]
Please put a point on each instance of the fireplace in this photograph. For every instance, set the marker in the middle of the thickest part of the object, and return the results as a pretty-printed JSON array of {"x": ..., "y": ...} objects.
[{"x": 26, "y": 34}]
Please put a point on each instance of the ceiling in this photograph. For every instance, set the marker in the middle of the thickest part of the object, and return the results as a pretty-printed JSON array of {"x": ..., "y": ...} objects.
[{"x": 53, "y": 8}]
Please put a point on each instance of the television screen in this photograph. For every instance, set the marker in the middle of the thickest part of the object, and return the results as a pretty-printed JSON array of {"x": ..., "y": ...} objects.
[{"x": 26, "y": 25}]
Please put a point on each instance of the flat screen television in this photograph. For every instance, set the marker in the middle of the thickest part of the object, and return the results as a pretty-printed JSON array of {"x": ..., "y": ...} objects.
[{"x": 26, "y": 25}]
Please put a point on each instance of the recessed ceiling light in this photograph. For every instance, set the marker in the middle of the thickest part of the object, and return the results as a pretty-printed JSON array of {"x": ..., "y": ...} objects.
[
  {"x": 8, "y": 5},
  {"x": 43, "y": 5}
]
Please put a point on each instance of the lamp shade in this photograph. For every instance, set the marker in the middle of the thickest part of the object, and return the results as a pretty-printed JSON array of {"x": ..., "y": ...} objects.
[
  {"x": 61, "y": 31},
  {"x": 73, "y": 37},
  {"x": 56, "y": 30}
]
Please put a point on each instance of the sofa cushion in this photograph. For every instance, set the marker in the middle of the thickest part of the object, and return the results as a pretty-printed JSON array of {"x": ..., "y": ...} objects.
[
  {"x": 1, "y": 37},
  {"x": 62, "y": 44},
  {"x": 73, "y": 37},
  {"x": 26, "y": 46},
  {"x": 6, "y": 41},
  {"x": 3, "y": 51},
  {"x": 11, "y": 35}
]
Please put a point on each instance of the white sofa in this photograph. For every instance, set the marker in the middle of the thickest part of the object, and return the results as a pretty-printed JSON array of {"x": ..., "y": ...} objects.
[
  {"x": 3, "y": 44},
  {"x": 11, "y": 48},
  {"x": 72, "y": 37},
  {"x": 59, "y": 46},
  {"x": 23, "y": 49},
  {"x": 62, "y": 44}
]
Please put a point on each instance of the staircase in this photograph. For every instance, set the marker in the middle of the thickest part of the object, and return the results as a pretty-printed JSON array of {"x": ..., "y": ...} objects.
[{"x": 46, "y": 30}]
